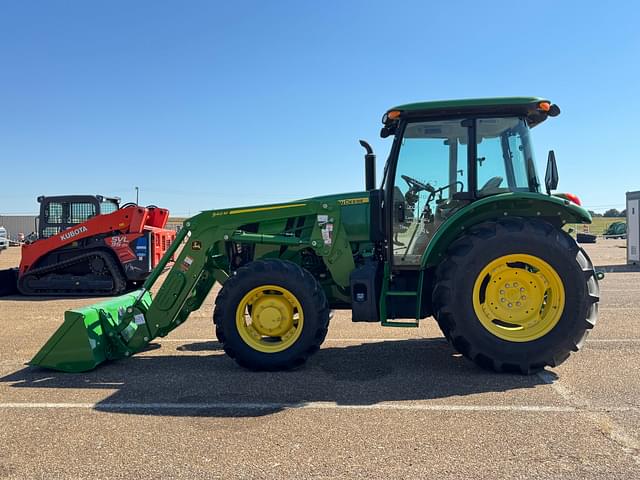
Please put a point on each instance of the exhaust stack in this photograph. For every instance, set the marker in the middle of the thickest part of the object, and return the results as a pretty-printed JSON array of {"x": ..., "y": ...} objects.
[{"x": 369, "y": 167}]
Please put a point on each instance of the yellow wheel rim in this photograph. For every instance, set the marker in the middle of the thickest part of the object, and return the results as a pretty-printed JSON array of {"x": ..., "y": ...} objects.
[
  {"x": 518, "y": 297},
  {"x": 269, "y": 318}
]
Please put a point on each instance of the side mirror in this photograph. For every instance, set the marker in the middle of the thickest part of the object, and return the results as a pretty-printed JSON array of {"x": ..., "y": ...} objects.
[
  {"x": 388, "y": 130},
  {"x": 551, "y": 176}
]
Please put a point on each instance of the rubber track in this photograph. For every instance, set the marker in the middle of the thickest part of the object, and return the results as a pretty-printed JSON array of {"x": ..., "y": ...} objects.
[{"x": 119, "y": 281}]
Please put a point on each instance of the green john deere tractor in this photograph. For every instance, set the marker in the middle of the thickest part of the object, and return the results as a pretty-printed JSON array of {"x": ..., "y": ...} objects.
[{"x": 459, "y": 230}]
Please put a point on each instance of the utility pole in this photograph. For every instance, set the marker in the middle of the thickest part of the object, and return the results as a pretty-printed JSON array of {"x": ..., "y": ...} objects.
[{"x": 137, "y": 194}]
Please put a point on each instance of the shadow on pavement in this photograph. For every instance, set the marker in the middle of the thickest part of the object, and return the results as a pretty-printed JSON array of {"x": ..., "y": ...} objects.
[
  {"x": 619, "y": 268},
  {"x": 200, "y": 347},
  {"x": 364, "y": 374}
]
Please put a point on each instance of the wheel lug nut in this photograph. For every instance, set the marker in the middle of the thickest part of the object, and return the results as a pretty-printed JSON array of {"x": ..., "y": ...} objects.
[
  {"x": 502, "y": 300},
  {"x": 507, "y": 285},
  {"x": 522, "y": 289},
  {"x": 523, "y": 297},
  {"x": 515, "y": 284},
  {"x": 501, "y": 292},
  {"x": 518, "y": 304},
  {"x": 510, "y": 305}
]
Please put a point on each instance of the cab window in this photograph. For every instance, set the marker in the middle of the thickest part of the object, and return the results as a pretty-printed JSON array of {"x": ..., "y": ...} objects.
[
  {"x": 505, "y": 160},
  {"x": 82, "y": 211},
  {"x": 53, "y": 213},
  {"x": 430, "y": 179},
  {"x": 108, "y": 206}
]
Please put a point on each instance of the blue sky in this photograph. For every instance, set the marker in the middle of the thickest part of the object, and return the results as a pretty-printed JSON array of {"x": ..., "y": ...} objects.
[{"x": 210, "y": 104}]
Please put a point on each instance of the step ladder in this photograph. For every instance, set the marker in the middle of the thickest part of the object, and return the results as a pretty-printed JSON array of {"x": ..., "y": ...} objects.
[{"x": 386, "y": 322}]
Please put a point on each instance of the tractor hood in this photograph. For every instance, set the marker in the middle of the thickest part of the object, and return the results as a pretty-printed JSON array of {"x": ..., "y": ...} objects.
[{"x": 355, "y": 212}]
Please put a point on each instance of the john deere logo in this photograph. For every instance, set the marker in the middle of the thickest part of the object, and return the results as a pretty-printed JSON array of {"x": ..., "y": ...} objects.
[
  {"x": 73, "y": 233},
  {"x": 353, "y": 201}
]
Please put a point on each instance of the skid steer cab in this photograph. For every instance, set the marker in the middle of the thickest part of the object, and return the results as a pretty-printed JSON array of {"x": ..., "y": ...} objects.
[
  {"x": 459, "y": 229},
  {"x": 89, "y": 245}
]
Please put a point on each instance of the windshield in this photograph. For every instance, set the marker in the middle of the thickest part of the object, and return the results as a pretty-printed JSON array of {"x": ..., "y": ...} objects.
[{"x": 505, "y": 157}]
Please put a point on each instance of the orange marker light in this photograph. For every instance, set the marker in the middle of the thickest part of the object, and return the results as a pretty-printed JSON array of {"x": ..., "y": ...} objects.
[
  {"x": 393, "y": 114},
  {"x": 544, "y": 106}
]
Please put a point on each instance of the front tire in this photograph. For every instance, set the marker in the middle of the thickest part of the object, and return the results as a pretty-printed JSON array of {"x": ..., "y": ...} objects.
[
  {"x": 271, "y": 315},
  {"x": 516, "y": 295}
]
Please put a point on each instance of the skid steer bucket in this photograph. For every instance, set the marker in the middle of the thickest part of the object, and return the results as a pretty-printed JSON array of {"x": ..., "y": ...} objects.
[{"x": 90, "y": 335}]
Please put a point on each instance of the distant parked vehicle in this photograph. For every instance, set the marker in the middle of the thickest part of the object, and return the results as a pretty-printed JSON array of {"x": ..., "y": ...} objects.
[
  {"x": 4, "y": 241},
  {"x": 585, "y": 238},
  {"x": 616, "y": 230}
]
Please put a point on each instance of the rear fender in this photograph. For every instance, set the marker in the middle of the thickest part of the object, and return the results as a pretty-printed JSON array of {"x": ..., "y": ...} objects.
[{"x": 554, "y": 210}]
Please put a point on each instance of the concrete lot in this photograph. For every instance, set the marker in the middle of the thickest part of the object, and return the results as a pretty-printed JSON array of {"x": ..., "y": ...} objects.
[{"x": 373, "y": 403}]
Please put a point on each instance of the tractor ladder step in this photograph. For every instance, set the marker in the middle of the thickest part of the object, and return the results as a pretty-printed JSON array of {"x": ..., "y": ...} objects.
[{"x": 395, "y": 323}]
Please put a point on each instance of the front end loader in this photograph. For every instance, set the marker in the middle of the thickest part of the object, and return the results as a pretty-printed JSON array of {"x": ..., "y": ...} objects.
[{"x": 459, "y": 229}]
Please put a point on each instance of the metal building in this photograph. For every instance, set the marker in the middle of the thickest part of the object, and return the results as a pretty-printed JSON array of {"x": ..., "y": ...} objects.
[
  {"x": 17, "y": 224},
  {"x": 633, "y": 228}
]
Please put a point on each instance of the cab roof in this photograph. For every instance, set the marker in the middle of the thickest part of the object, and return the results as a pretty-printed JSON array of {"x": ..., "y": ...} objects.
[
  {"x": 536, "y": 109},
  {"x": 76, "y": 198},
  {"x": 473, "y": 103}
]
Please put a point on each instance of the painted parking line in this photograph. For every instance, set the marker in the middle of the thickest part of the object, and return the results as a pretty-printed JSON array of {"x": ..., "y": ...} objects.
[
  {"x": 370, "y": 339},
  {"x": 392, "y": 339},
  {"x": 619, "y": 309},
  {"x": 615, "y": 430},
  {"x": 303, "y": 406},
  {"x": 613, "y": 340}
]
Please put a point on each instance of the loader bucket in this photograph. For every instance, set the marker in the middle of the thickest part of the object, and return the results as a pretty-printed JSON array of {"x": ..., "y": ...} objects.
[{"x": 81, "y": 343}]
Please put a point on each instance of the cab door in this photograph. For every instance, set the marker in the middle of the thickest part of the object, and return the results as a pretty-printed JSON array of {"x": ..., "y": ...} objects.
[{"x": 431, "y": 183}]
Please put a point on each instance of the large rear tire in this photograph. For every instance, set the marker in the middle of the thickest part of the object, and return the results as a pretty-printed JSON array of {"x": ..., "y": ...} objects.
[
  {"x": 516, "y": 295},
  {"x": 271, "y": 315}
]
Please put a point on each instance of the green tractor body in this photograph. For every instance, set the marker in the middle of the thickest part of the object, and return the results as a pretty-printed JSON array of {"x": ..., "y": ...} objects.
[{"x": 459, "y": 229}]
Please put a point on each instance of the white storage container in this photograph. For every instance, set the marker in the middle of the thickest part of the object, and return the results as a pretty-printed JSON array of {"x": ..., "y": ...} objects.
[{"x": 633, "y": 228}]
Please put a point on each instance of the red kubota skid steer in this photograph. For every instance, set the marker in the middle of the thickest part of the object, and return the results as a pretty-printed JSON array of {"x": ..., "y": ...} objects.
[{"x": 89, "y": 245}]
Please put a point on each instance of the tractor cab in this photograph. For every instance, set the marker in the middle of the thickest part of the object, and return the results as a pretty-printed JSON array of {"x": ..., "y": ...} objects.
[
  {"x": 449, "y": 154},
  {"x": 61, "y": 212}
]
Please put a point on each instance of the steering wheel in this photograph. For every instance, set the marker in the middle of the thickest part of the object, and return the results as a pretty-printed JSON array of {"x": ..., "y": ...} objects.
[
  {"x": 492, "y": 184},
  {"x": 417, "y": 185}
]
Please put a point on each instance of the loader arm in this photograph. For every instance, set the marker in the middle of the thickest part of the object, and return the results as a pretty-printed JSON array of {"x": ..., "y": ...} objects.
[{"x": 125, "y": 325}]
